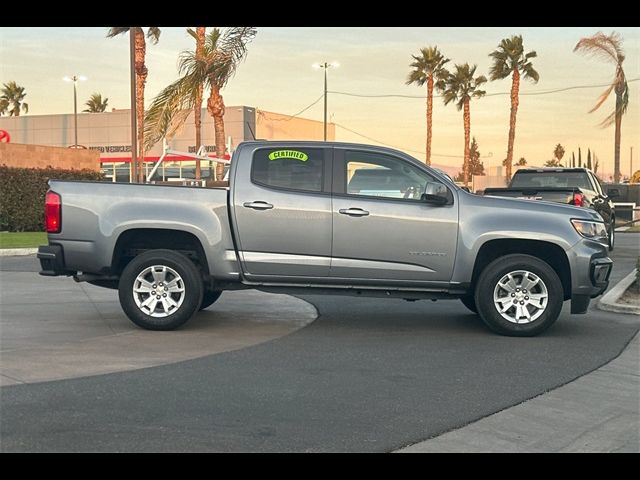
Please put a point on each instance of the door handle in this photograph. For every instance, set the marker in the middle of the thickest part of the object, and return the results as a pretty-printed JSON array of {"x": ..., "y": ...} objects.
[
  {"x": 258, "y": 205},
  {"x": 353, "y": 212}
]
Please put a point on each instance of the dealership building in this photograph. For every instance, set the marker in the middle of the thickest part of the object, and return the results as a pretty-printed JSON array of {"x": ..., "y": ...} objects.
[{"x": 109, "y": 133}]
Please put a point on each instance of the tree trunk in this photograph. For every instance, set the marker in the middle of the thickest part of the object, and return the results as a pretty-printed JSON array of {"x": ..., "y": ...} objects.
[
  {"x": 515, "y": 88},
  {"x": 616, "y": 152},
  {"x": 141, "y": 79},
  {"x": 197, "y": 109},
  {"x": 467, "y": 133},
  {"x": 215, "y": 107},
  {"x": 429, "y": 116}
]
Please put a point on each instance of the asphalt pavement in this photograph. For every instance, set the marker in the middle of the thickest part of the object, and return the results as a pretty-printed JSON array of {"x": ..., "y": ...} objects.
[{"x": 367, "y": 375}]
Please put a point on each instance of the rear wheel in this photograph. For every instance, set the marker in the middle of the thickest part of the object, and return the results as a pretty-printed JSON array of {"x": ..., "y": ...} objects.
[
  {"x": 519, "y": 295},
  {"x": 209, "y": 298},
  {"x": 160, "y": 290}
]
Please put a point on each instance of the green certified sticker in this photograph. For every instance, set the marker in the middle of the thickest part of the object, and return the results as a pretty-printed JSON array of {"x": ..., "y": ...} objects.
[{"x": 294, "y": 154}]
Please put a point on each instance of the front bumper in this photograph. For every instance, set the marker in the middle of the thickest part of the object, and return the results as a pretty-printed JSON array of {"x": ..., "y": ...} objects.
[
  {"x": 599, "y": 271},
  {"x": 51, "y": 260}
]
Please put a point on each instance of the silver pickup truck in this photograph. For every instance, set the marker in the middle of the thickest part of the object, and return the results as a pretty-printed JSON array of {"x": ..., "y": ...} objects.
[{"x": 331, "y": 218}]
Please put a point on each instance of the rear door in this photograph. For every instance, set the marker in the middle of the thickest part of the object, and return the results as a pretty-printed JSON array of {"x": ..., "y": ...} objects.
[{"x": 282, "y": 212}]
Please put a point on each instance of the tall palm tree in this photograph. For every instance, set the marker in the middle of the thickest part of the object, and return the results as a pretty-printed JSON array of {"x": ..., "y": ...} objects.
[
  {"x": 609, "y": 48},
  {"x": 12, "y": 99},
  {"x": 223, "y": 51},
  {"x": 522, "y": 162},
  {"x": 199, "y": 35},
  {"x": 428, "y": 67},
  {"x": 153, "y": 34},
  {"x": 460, "y": 86},
  {"x": 509, "y": 59},
  {"x": 96, "y": 104}
]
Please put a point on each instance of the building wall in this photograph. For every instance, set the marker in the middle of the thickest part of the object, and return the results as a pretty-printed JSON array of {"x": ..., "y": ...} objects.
[
  {"x": 39, "y": 156},
  {"x": 109, "y": 133}
]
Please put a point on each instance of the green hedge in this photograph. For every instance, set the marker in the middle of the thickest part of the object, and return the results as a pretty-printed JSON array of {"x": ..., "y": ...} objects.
[{"x": 22, "y": 193}]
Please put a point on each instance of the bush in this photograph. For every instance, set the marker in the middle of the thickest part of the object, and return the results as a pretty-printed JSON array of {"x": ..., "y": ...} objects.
[{"x": 22, "y": 193}]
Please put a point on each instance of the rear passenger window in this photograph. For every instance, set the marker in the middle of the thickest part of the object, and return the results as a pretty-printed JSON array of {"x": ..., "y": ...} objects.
[{"x": 295, "y": 169}]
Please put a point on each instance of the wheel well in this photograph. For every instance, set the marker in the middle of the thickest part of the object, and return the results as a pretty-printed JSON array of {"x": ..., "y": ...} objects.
[
  {"x": 551, "y": 253},
  {"x": 133, "y": 242}
]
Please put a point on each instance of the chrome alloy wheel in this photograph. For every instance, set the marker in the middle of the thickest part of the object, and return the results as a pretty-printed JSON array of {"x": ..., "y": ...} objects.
[
  {"x": 158, "y": 291},
  {"x": 520, "y": 297}
]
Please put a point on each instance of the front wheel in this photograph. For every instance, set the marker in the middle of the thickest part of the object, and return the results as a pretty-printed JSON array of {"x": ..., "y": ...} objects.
[
  {"x": 160, "y": 290},
  {"x": 519, "y": 295}
]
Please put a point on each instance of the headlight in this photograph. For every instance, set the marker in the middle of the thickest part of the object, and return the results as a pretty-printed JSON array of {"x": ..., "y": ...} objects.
[{"x": 593, "y": 230}]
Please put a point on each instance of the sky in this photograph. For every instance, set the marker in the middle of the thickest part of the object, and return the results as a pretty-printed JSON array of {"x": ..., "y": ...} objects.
[{"x": 277, "y": 75}]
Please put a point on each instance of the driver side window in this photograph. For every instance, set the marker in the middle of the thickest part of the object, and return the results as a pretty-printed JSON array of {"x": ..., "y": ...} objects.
[{"x": 377, "y": 175}]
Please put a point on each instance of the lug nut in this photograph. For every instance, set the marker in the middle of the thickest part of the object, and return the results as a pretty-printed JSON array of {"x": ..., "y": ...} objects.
[
  {"x": 521, "y": 303},
  {"x": 158, "y": 297},
  {"x": 517, "y": 289},
  {"x": 526, "y": 298},
  {"x": 164, "y": 294},
  {"x": 165, "y": 289},
  {"x": 153, "y": 293},
  {"x": 154, "y": 285},
  {"x": 513, "y": 294}
]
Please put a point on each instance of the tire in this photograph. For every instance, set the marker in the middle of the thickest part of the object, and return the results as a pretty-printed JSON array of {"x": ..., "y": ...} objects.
[
  {"x": 530, "y": 277},
  {"x": 209, "y": 298},
  {"x": 612, "y": 235},
  {"x": 470, "y": 302},
  {"x": 183, "y": 290}
]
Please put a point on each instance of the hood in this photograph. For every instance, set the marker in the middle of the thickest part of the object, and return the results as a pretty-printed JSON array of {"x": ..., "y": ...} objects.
[{"x": 537, "y": 206}]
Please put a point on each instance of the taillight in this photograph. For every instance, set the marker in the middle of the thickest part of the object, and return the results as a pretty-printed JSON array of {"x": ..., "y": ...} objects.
[
  {"x": 52, "y": 212},
  {"x": 578, "y": 200}
]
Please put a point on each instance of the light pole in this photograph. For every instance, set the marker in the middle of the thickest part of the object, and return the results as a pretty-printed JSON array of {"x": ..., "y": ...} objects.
[
  {"x": 326, "y": 66},
  {"x": 75, "y": 80}
]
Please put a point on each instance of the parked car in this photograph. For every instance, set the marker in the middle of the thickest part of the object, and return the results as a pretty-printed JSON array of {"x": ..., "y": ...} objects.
[
  {"x": 311, "y": 217},
  {"x": 573, "y": 186}
]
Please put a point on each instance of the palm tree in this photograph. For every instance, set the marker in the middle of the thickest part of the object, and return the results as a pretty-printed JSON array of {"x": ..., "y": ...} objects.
[
  {"x": 510, "y": 60},
  {"x": 153, "y": 33},
  {"x": 96, "y": 104},
  {"x": 609, "y": 48},
  {"x": 12, "y": 99},
  {"x": 428, "y": 67},
  {"x": 223, "y": 51},
  {"x": 460, "y": 87},
  {"x": 522, "y": 162},
  {"x": 558, "y": 152},
  {"x": 199, "y": 35}
]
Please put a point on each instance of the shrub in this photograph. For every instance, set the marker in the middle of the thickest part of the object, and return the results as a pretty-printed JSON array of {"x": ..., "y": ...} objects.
[{"x": 22, "y": 193}]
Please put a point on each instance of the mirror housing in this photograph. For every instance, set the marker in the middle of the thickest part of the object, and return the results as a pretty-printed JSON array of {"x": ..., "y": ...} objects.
[{"x": 435, "y": 193}]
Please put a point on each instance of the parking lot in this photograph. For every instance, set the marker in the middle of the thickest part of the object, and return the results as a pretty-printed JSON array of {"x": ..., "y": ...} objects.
[{"x": 366, "y": 375}]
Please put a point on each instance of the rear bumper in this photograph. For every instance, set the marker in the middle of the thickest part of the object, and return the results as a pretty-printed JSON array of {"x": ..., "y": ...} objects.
[{"x": 51, "y": 260}]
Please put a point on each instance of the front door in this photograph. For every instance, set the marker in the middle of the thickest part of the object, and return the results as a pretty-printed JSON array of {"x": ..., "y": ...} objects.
[
  {"x": 282, "y": 213},
  {"x": 382, "y": 228}
]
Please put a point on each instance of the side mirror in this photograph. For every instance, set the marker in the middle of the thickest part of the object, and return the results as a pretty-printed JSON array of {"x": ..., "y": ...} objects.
[
  {"x": 435, "y": 193},
  {"x": 613, "y": 193}
]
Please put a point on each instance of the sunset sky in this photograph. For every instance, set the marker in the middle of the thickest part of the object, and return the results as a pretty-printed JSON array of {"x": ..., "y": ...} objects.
[{"x": 278, "y": 76}]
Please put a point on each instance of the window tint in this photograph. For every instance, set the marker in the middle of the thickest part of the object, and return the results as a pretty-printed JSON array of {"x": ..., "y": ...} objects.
[
  {"x": 296, "y": 169},
  {"x": 376, "y": 175}
]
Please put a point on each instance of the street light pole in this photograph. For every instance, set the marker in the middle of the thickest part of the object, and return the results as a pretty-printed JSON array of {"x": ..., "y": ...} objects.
[
  {"x": 75, "y": 79},
  {"x": 325, "y": 66}
]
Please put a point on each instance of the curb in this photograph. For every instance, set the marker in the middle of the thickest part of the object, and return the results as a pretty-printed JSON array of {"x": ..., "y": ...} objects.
[
  {"x": 610, "y": 299},
  {"x": 12, "y": 252}
]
